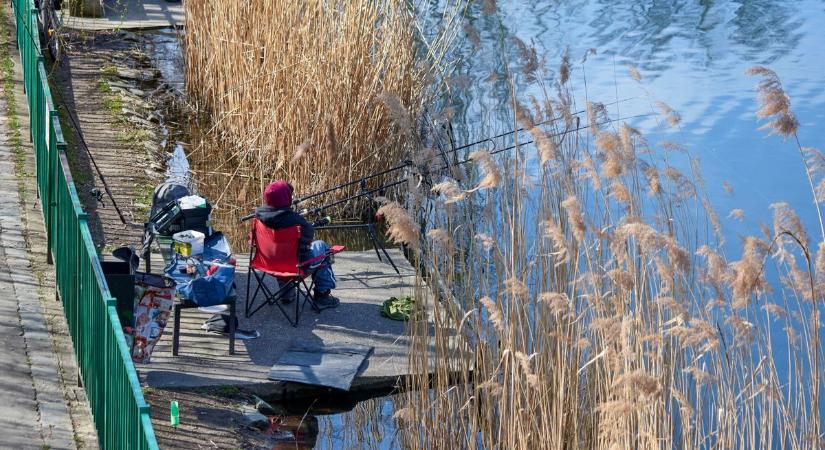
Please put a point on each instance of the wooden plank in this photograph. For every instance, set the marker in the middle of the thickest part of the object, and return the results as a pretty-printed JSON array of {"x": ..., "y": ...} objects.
[{"x": 334, "y": 366}]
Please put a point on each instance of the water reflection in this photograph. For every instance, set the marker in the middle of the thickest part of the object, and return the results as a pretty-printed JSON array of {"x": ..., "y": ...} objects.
[
  {"x": 767, "y": 30},
  {"x": 177, "y": 167},
  {"x": 333, "y": 422},
  {"x": 691, "y": 54},
  {"x": 166, "y": 51}
]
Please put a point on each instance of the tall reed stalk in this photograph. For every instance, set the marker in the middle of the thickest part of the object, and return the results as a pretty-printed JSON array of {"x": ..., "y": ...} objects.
[{"x": 584, "y": 300}]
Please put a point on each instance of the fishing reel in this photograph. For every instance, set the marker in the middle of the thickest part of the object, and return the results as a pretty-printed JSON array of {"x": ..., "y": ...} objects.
[{"x": 97, "y": 194}]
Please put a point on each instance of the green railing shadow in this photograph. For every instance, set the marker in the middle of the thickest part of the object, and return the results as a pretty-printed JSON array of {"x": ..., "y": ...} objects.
[{"x": 120, "y": 413}]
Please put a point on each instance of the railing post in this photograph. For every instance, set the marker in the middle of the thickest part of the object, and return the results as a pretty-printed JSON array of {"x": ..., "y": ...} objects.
[
  {"x": 49, "y": 186},
  {"x": 40, "y": 104},
  {"x": 106, "y": 371},
  {"x": 32, "y": 56}
]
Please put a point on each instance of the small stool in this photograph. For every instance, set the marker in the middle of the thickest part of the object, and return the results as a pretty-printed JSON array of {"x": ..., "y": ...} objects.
[{"x": 187, "y": 304}]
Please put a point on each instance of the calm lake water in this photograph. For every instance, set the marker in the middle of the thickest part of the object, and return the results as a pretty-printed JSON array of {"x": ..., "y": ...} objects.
[{"x": 692, "y": 54}]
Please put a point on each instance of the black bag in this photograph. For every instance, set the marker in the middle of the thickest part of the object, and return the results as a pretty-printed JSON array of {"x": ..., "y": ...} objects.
[
  {"x": 171, "y": 219},
  {"x": 219, "y": 323},
  {"x": 166, "y": 193}
]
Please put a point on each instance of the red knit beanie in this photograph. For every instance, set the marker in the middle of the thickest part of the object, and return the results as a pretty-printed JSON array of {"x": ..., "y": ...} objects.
[{"x": 278, "y": 194}]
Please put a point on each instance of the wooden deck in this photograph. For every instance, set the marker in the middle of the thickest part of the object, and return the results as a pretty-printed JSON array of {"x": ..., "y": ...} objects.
[
  {"x": 363, "y": 284},
  {"x": 129, "y": 15}
]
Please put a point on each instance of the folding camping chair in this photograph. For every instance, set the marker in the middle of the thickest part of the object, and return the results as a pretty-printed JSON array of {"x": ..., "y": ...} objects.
[{"x": 275, "y": 253}]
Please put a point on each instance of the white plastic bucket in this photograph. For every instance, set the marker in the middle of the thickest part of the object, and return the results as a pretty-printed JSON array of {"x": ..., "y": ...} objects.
[{"x": 189, "y": 242}]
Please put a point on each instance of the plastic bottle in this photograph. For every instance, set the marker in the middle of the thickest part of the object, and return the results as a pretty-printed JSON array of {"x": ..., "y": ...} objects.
[{"x": 174, "y": 414}]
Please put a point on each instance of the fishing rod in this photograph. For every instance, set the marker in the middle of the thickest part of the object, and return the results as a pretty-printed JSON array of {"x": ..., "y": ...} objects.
[
  {"x": 313, "y": 211},
  {"x": 406, "y": 163},
  {"x": 360, "y": 194},
  {"x": 366, "y": 192}
]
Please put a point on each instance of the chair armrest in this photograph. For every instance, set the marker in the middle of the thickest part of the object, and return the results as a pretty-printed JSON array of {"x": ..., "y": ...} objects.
[
  {"x": 312, "y": 261},
  {"x": 332, "y": 250}
]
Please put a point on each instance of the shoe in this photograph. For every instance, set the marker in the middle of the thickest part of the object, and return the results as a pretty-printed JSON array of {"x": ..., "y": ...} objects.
[{"x": 326, "y": 301}]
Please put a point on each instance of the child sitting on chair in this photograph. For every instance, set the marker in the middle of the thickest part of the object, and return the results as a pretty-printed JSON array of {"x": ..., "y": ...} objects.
[{"x": 278, "y": 213}]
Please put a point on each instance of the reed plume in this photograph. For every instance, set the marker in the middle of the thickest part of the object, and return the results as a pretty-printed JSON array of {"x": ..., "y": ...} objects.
[
  {"x": 775, "y": 103},
  {"x": 401, "y": 228},
  {"x": 612, "y": 323}
]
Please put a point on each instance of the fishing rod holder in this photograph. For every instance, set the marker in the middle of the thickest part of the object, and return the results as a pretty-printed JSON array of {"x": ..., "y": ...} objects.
[
  {"x": 377, "y": 245},
  {"x": 366, "y": 193}
]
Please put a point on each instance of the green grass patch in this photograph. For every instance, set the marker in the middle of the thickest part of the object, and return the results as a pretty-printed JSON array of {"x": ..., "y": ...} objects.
[
  {"x": 109, "y": 70},
  {"x": 225, "y": 391},
  {"x": 143, "y": 198},
  {"x": 112, "y": 101},
  {"x": 133, "y": 136},
  {"x": 103, "y": 86},
  {"x": 114, "y": 104}
]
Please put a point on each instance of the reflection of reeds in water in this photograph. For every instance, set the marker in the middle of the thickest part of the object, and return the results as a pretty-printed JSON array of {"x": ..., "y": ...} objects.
[
  {"x": 369, "y": 425},
  {"x": 308, "y": 91},
  {"x": 595, "y": 307}
]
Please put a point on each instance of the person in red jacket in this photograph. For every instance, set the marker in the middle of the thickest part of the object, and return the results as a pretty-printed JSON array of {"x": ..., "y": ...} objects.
[{"x": 278, "y": 213}]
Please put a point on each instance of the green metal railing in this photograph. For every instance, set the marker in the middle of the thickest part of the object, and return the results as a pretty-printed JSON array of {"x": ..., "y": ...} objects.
[{"x": 120, "y": 413}]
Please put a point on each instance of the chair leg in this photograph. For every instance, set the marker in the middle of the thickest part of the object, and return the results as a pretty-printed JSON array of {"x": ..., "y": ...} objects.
[
  {"x": 250, "y": 301},
  {"x": 176, "y": 330},
  {"x": 273, "y": 299},
  {"x": 249, "y": 270},
  {"x": 266, "y": 293},
  {"x": 248, "y": 284},
  {"x": 297, "y": 291},
  {"x": 310, "y": 298},
  {"x": 232, "y": 328}
]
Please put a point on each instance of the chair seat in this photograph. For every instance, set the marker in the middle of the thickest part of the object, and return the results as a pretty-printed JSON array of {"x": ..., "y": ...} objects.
[{"x": 277, "y": 274}]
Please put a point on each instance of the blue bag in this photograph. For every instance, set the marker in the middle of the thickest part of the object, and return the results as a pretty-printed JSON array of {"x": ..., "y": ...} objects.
[
  {"x": 216, "y": 248},
  {"x": 211, "y": 289}
]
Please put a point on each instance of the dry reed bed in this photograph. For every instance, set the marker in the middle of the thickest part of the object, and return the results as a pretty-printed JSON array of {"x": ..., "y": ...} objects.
[
  {"x": 595, "y": 299},
  {"x": 303, "y": 91},
  {"x": 598, "y": 308}
]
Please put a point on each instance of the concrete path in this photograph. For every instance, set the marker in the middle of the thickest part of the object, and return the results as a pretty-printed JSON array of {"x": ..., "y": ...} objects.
[
  {"x": 41, "y": 408},
  {"x": 130, "y": 15},
  {"x": 33, "y": 411}
]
